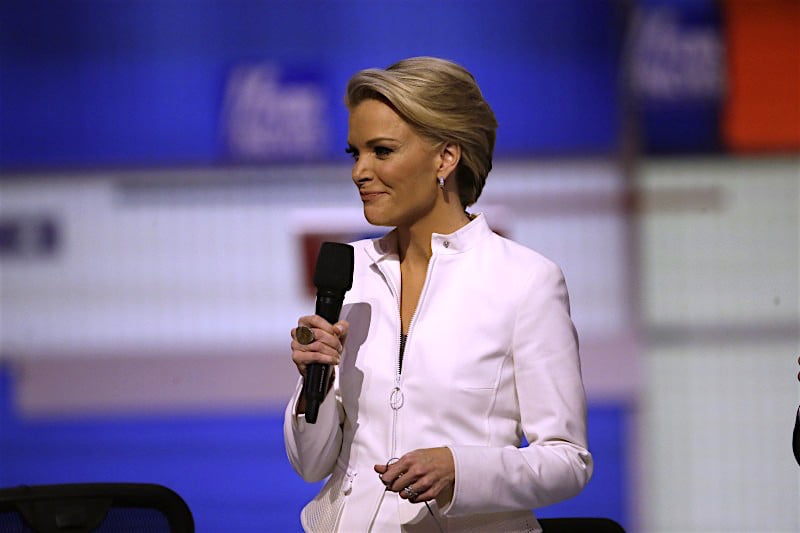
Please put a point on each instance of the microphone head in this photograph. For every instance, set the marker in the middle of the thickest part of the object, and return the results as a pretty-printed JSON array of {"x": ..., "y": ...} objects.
[{"x": 334, "y": 270}]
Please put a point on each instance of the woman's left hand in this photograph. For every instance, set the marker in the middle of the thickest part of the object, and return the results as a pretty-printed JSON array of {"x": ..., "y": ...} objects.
[{"x": 421, "y": 475}]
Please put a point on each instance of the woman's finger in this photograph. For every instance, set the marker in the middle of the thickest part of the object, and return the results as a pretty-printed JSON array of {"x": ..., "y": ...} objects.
[
  {"x": 318, "y": 340},
  {"x": 317, "y": 322},
  {"x": 401, "y": 474},
  {"x": 418, "y": 490},
  {"x": 326, "y": 356},
  {"x": 341, "y": 328},
  {"x": 315, "y": 340},
  {"x": 429, "y": 472}
]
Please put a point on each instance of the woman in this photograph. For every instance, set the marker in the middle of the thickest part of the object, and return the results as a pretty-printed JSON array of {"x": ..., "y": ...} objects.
[{"x": 454, "y": 343}]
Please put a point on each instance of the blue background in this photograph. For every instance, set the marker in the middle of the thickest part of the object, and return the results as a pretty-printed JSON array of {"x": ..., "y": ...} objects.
[
  {"x": 232, "y": 469},
  {"x": 88, "y": 83}
]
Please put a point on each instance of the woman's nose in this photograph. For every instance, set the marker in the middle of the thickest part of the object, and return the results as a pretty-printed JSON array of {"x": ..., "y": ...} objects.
[{"x": 361, "y": 172}]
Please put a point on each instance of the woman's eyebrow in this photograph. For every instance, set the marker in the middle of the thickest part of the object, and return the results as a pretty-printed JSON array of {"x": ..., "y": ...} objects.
[{"x": 378, "y": 140}]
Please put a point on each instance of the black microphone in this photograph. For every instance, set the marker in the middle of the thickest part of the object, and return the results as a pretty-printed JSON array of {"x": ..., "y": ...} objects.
[{"x": 333, "y": 276}]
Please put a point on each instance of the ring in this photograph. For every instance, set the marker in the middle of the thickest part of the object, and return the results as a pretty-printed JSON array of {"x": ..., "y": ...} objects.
[
  {"x": 410, "y": 492},
  {"x": 304, "y": 335}
]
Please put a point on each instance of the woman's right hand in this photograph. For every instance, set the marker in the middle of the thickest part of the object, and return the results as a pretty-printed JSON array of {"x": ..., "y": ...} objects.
[{"x": 326, "y": 347}]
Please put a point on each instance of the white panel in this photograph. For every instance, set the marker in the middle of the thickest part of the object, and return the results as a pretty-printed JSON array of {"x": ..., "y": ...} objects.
[
  {"x": 721, "y": 280},
  {"x": 174, "y": 261},
  {"x": 736, "y": 262},
  {"x": 207, "y": 263},
  {"x": 716, "y": 438}
]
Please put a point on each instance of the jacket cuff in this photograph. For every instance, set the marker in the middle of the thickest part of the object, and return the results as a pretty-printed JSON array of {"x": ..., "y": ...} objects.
[
  {"x": 327, "y": 411},
  {"x": 447, "y": 510},
  {"x": 475, "y": 469}
]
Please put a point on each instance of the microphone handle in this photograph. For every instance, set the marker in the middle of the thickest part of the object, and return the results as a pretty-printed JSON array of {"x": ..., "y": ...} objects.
[{"x": 315, "y": 387}]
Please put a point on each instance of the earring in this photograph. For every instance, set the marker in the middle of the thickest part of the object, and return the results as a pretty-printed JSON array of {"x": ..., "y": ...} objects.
[{"x": 441, "y": 182}]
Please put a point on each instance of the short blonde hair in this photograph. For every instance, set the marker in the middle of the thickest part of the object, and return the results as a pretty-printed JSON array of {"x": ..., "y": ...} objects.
[{"x": 443, "y": 103}]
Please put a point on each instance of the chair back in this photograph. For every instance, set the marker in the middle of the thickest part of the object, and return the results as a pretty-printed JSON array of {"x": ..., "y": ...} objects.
[
  {"x": 95, "y": 508},
  {"x": 580, "y": 525}
]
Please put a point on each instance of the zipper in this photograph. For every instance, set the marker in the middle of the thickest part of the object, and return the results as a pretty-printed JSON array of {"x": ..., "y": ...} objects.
[{"x": 396, "y": 398}]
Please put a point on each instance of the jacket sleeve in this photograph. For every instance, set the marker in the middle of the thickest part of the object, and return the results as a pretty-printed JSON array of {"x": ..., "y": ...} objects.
[
  {"x": 313, "y": 448},
  {"x": 556, "y": 464}
]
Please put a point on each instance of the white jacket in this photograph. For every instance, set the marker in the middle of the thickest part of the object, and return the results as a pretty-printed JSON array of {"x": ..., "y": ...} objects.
[{"x": 491, "y": 356}]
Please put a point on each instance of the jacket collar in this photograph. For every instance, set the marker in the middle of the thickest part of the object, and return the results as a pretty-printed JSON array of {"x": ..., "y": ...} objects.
[{"x": 459, "y": 241}]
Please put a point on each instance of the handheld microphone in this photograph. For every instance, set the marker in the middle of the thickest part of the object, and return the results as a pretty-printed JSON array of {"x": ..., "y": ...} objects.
[{"x": 333, "y": 276}]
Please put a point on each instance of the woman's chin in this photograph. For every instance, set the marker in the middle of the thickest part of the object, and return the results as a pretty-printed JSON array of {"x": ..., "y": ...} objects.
[{"x": 377, "y": 218}]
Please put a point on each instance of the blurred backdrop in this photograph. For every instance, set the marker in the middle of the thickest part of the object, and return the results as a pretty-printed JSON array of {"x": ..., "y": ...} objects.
[{"x": 169, "y": 167}]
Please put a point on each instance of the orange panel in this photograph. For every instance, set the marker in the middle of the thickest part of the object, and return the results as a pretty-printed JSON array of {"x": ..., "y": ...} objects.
[{"x": 762, "y": 111}]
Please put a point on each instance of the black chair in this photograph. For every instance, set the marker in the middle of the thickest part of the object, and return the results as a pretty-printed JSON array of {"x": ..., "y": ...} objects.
[
  {"x": 95, "y": 508},
  {"x": 580, "y": 525}
]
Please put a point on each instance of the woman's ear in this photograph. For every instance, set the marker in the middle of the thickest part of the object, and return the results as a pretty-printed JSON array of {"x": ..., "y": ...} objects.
[{"x": 449, "y": 155}]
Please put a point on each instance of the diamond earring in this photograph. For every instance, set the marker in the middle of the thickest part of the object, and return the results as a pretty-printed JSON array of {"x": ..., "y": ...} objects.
[{"x": 441, "y": 182}]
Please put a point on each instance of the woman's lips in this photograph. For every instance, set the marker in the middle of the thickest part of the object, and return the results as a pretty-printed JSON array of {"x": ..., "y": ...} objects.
[{"x": 369, "y": 196}]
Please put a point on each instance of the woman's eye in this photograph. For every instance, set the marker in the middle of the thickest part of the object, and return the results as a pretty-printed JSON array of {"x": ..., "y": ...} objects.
[
  {"x": 382, "y": 151},
  {"x": 353, "y": 152}
]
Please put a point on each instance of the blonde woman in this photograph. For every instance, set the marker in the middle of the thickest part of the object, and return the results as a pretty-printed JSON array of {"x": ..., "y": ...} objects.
[{"x": 454, "y": 343}]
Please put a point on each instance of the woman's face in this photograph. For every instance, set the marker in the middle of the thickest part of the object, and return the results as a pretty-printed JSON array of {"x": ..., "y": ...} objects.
[{"x": 394, "y": 168}]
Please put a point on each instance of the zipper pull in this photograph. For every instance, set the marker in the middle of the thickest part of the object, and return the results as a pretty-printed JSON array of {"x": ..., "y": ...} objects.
[{"x": 396, "y": 399}]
